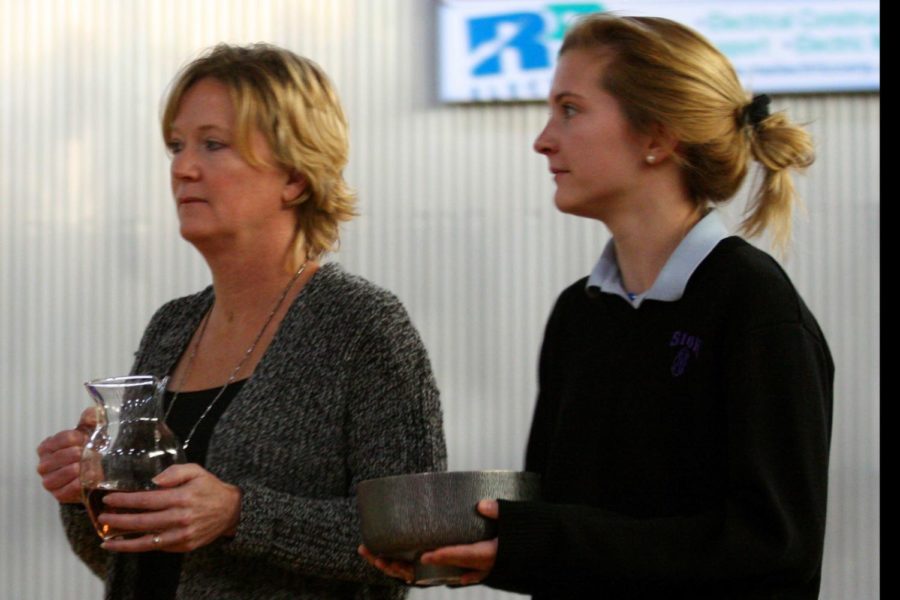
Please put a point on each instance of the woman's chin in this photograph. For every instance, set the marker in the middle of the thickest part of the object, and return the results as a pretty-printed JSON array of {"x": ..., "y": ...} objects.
[
  {"x": 574, "y": 207},
  {"x": 196, "y": 234}
]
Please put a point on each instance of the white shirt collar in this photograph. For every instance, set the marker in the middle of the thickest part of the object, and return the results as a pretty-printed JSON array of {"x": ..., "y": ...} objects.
[{"x": 672, "y": 280}]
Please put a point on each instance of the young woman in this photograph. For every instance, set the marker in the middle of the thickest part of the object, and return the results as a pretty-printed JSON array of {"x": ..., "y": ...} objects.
[{"x": 685, "y": 391}]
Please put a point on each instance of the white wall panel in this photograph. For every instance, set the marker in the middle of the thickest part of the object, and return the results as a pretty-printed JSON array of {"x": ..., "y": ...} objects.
[{"x": 457, "y": 219}]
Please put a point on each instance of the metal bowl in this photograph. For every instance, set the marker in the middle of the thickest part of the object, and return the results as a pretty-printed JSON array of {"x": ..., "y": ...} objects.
[{"x": 403, "y": 516}]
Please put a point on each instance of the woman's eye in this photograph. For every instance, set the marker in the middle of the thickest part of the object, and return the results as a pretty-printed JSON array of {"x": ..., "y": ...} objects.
[
  {"x": 213, "y": 145},
  {"x": 568, "y": 110},
  {"x": 174, "y": 146}
]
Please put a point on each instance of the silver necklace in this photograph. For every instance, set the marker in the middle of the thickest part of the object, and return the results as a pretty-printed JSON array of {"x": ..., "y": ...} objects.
[{"x": 237, "y": 368}]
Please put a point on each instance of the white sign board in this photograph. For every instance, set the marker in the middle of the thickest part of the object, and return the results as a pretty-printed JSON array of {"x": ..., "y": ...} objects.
[{"x": 506, "y": 49}]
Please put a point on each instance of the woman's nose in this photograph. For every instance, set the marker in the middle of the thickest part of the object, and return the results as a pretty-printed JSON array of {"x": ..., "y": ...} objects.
[
  {"x": 184, "y": 165},
  {"x": 544, "y": 144}
]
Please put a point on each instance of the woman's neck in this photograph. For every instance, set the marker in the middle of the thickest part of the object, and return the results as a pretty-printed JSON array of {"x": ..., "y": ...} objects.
[
  {"x": 247, "y": 282},
  {"x": 253, "y": 293},
  {"x": 645, "y": 238}
]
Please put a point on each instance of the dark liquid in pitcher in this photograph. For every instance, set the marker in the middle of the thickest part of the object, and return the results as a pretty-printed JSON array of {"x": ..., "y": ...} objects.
[{"x": 93, "y": 499}]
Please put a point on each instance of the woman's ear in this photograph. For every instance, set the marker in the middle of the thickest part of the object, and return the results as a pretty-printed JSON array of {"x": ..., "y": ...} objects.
[
  {"x": 661, "y": 144},
  {"x": 294, "y": 186}
]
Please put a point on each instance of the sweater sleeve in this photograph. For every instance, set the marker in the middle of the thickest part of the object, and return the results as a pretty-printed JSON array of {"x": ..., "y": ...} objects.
[
  {"x": 392, "y": 425},
  {"x": 769, "y": 532},
  {"x": 83, "y": 539}
]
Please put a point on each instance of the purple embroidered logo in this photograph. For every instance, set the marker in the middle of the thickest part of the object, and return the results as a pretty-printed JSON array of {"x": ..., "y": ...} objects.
[{"x": 688, "y": 345}]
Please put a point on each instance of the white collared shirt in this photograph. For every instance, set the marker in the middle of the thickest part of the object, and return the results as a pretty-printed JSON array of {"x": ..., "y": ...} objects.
[{"x": 672, "y": 280}]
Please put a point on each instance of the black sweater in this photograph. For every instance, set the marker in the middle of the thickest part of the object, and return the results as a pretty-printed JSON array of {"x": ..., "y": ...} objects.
[{"x": 683, "y": 445}]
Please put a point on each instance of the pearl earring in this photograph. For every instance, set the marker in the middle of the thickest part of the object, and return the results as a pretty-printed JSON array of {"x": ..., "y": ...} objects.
[{"x": 651, "y": 159}]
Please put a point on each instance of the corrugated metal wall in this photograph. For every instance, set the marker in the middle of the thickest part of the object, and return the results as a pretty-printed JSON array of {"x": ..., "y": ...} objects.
[{"x": 457, "y": 220}]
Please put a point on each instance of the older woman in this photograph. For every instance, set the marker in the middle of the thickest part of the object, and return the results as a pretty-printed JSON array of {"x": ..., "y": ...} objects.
[
  {"x": 683, "y": 420},
  {"x": 290, "y": 380}
]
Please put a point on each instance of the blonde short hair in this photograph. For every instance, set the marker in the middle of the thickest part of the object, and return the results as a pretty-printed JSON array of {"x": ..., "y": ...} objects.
[
  {"x": 663, "y": 73},
  {"x": 291, "y": 101}
]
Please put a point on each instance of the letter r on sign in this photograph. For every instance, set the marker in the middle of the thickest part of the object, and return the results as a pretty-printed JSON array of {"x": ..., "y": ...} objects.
[{"x": 522, "y": 32}]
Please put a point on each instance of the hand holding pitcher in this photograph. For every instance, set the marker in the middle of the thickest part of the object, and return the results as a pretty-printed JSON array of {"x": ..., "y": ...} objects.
[
  {"x": 60, "y": 458},
  {"x": 129, "y": 446}
]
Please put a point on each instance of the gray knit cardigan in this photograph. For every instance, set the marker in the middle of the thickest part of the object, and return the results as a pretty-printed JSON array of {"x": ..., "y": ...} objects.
[{"x": 344, "y": 393}]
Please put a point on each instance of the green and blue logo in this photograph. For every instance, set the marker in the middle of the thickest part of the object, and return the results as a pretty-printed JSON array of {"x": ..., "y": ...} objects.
[
  {"x": 532, "y": 35},
  {"x": 501, "y": 50}
]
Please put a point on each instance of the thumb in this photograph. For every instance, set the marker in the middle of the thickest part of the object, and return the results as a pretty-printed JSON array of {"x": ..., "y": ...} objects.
[
  {"x": 178, "y": 475},
  {"x": 87, "y": 421},
  {"x": 489, "y": 508}
]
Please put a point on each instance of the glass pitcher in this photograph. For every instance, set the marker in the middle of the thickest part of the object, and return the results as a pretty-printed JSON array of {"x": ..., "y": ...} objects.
[{"x": 129, "y": 446}]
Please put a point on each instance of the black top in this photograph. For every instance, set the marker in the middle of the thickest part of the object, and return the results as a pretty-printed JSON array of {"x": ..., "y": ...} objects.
[
  {"x": 683, "y": 446},
  {"x": 158, "y": 572},
  {"x": 189, "y": 408}
]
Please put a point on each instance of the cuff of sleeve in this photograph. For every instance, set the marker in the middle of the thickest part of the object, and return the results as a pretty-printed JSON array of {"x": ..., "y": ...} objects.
[
  {"x": 254, "y": 533},
  {"x": 525, "y": 545}
]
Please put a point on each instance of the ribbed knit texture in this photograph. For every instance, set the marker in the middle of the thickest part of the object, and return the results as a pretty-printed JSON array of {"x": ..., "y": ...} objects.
[{"x": 344, "y": 393}]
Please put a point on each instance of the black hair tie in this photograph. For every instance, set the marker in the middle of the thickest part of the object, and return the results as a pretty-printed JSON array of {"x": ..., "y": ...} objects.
[{"x": 757, "y": 110}]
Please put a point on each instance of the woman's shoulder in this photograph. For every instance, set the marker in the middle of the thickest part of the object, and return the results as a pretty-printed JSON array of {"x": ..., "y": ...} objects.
[
  {"x": 333, "y": 278},
  {"x": 338, "y": 296},
  {"x": 743, "y": 265},
  {"x": 573, "y": 304},
  {"x": 749, "y": 282},
  {"x": 335, "y": 286}
]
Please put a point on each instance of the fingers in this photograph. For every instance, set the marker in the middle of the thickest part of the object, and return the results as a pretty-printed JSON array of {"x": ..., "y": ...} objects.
[
  {"x": 167, "y": 540},
  {"x": 397, "y": 570},
  {"x": 171, "y": 525},
  {"x": 168, "y": 520},
  {"x": 173, "y": 478},
  {"x": 150, "y": 500},
  {"x": 177, "y": 475},
  {"x": 144, "y": 543},
  {"x": 71, "y": 437},
  {"x": 60, "y": 477},
  {"x": 392, "y": 568},
  {"x": 69, "y": 493},
  {"x": 489, "y": 508},
  {"x": 478, "y": 556},
  {"x": 364, "y": 552},
  {"x": 472, "y": 577},
  {"x": 65, "y": 457},
  {"x": 59, "y": 464},
  {"x": 196, "y": 512},
  {"x": 63, "y": 439}
]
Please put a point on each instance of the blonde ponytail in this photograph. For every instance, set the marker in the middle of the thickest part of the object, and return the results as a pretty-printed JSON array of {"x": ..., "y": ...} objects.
[{"x": 779, "y": 147}]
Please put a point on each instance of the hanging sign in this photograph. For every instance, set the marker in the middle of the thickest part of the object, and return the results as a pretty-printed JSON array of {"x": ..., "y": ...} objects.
[{"x": 506, "y": 50}]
